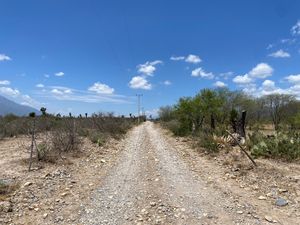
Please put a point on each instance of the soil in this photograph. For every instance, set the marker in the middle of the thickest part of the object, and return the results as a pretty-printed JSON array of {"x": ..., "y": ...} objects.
[{"x": 149, "y": 177}]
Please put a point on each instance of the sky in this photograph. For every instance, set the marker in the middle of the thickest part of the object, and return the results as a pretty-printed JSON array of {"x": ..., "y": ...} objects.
[{"x": 95, "y": 56}]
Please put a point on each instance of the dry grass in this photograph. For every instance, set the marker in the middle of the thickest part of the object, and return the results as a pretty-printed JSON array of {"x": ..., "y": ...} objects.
[{"x": 6, "y": 188}]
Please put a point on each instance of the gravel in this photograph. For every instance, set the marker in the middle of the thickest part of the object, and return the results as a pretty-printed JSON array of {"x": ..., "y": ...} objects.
[{"x": 151, "y": 184}]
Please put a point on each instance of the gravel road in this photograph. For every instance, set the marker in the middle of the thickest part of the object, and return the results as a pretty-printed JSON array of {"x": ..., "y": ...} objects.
[{"x": 150, "y": 183}]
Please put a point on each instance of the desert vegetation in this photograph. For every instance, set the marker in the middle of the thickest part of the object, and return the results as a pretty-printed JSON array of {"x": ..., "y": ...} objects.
[
  {"x": 53, "y": 136},
  {"x": 270, "y": 124}
]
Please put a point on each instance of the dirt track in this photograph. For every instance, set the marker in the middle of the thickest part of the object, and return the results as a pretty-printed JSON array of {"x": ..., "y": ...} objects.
[
  {"x": 149, "y": 177},
  {"x": 151, "y": 183}
]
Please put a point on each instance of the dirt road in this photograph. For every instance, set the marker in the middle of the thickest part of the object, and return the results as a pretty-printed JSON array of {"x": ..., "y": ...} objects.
[
  {"x": 149, "y": 177},
  {"x": 151, "y": 183}
]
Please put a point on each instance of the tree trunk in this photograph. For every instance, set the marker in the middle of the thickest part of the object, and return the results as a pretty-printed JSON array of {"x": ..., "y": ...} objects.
[
  {"x": 241, "y": 125},
  {"x": 212, "y": 122}
]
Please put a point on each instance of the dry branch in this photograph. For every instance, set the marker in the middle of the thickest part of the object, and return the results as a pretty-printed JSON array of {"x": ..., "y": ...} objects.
[{"x": 243, "y": 149}]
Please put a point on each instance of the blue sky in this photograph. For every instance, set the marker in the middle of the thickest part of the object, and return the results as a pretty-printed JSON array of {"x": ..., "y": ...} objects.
[{"x": 90, "y": 56}]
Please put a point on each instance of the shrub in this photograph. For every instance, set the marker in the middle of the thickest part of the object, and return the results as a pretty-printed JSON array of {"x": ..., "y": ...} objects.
[
  {"x": 97, "y": 138},
  {"x": 282, "y": 145},
  {"x": 207, "y": 142}
]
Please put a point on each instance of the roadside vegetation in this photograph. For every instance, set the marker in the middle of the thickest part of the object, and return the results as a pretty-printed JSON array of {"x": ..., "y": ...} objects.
[
  {"x": 53, "y": 137},
  {"x": 269, "y": 124}
]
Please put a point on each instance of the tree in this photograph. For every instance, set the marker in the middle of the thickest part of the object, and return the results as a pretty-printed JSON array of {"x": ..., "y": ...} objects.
[
  {"x": 210, "y": 104},
  {"x": 43, "y": 110},
  {"x": 277, "y": 105},
  {"x": 166, "y": 113}
]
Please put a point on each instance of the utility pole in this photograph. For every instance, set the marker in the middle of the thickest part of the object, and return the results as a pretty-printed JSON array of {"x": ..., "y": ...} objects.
[{"x": 139, "y": 106}]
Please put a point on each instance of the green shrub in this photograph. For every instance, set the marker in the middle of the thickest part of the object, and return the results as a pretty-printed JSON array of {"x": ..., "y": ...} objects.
[
  {"x": 282, "y": 145},
  {"x": 207, "y": 142},
  {"x": 97, "y": 138}
]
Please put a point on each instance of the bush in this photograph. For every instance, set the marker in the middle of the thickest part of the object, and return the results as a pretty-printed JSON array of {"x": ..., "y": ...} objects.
[
  {"x": 97, "y": 138},
  {"x": 176, "y": 127},
  {"x": 207, "y": 142},
  {"x": 61, "y": 140},
  {"x": 282, "y": 145}
]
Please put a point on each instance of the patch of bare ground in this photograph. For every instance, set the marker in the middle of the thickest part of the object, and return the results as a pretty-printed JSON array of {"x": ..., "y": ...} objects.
[
  {"x": 51, "y": 193},
  {"x": 255, "y": 190}
]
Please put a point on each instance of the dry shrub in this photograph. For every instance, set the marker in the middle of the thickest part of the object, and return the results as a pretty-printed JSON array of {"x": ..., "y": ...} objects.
[
  {"x": 7, "y": 187},
  {"x": 62, "y": 140}
]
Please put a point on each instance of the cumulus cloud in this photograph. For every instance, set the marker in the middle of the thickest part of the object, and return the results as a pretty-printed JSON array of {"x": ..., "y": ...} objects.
[
  {"x": 268, "y": 84},
  {"x": 148, "y": 68},
  {"x": 101, "y": 88},
  {"x": 9, "y": 91},
  {"x": 193, "y": 59},
  {"x": 59, "y": 74},
  {"x": 293, "y": 78},
  {"x": 40, "y": 85},
  {"x": 261, "y": 70},
  {"x": 177, "y": 58},
  {"x": 268, "y": 87},
  {"x": 4, "y": 57},
  {"x": 295, "y": 30},
  {"x": 200, "y": 72},
  {"x": 4, "y": 82},
  {"x": 250, "y": 89},
  {"x": 220, "y": 84},
  {"x": 242, "y": 79},
  {"x": 280, "y": 54},
  {"x": 139, "y": 82}
]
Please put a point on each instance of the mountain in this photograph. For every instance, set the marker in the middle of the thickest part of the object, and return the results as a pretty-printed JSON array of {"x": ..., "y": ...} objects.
[{"x": 7, "y": 106}]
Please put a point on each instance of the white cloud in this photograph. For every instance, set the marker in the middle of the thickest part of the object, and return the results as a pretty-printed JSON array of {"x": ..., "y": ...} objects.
[
  {"x": 280, "y": 54},
  {"x": 69, "y": 94},
  {"x": 9, "y": 91},
  {"x": 226, "y": 75},
  {"x": 177, "y": 58},
  {"x": 242, "y": 79},
  {"x": 167, "y": 82},
  {"x": 57, "y": 92},
  {"x": 46, "y": 75},
  {"x": 153, "y": 113},
  {"x": 220, "y": 84},
  {"x": 27, "y": 100},
  {"x": 293, "y": 78},
  {"x": 199, "y": 72},
  {"x": 296, "y": 28},
  {"x": 4, "y": 82},
  {"x": 269, "y": 46},
  {"x": 59, "y": 74},
  {"x": 193, "y": 59},
  {"x": 40, "y": 85},
  {"x": 261, "y": 70},
  {"x": 268, "y": 87},
  {"x": 288, "y": 41},
  {"x": 101, "y": 88},
  {"x": 268, "y": 84},
  {"x": 68, "y": 91},
  {"x": 4, "y": 57},
  {"x": 139, "y": 82},
  {"x": 250, "y": 89},
  {"x": 148, "y": 68}
]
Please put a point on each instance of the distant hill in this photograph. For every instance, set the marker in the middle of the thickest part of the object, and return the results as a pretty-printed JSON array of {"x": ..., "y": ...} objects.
[{"x": 7, "y": 106}]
